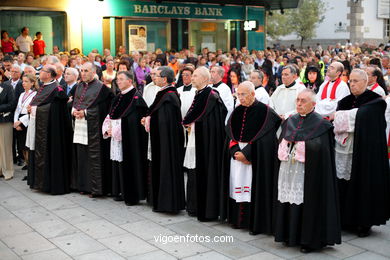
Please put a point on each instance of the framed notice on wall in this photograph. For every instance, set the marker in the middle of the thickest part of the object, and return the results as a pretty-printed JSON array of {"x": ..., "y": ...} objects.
[{"x": 137, "y": 38}]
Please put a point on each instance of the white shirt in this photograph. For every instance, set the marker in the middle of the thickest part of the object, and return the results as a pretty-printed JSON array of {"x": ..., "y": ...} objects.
[
  {"x": 379, "y": 90},
  {"x": 24, "y": 43},
  {"x": 186, "y": 98},
  {"x": 262, "y": 95},
  {"x": 327, "y": 106},
  {"x": 226, "y": 95},
  {"x": 23, "y": 102},
  {"x": 150, "y": 92},
  {"x": 283, "y": 99}
]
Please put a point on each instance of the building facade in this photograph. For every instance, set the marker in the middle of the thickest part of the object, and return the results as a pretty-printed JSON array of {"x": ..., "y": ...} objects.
[{"x": 138, "y": 25}]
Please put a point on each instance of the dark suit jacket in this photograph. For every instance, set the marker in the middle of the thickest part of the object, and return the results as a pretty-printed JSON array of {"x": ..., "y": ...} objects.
[
  {"x": 7, "y": 103},
  {"x": 17, "y": 90},
  {"x": 62, "y": 83},
  {"x": 72, "y": 91}
]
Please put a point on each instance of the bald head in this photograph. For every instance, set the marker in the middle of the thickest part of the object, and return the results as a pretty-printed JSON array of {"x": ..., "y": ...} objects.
[
  {"x": 200, "y": 78},
  {"x": 335, "y": 70},
  {"x": 246, "y": 93}
]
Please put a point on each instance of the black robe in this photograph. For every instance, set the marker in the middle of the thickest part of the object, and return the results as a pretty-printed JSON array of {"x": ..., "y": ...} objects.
[
  {"x": 91, "y": 163},
  {"x": 257, "y": 126},
  {"x": 208, "y": 113},
  {"x": 50, "y": 163},
  {"x": 167, "y": 142},
  {"x": 130, "y": 108},
  {"x": 365, "y": 198},
  {"x": 316, "y": 222}
]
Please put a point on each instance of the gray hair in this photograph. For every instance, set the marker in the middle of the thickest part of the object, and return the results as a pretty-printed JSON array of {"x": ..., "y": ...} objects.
[
  {"x": 74, "y": 71},
  {"x": 167, "y": 72},
  {"x": 128, "y": 74},
  {"x": 30, "y": 67},
  {"x": 89, "y": 64},
  {"x": 59, "y": 66},
  {"x": 17, "y": 67},
  {"x": 361, "y": 73},
  {"x": 220, "y": 71},
  {"x": 292, "y": 68},
  {"x": 311, "y": 93},
  {"x": 52, "y": 59},
  {"x": 248, "y": 85},
  {"x": 204, "y": 72},
  {"x": 259, "y": 73}
]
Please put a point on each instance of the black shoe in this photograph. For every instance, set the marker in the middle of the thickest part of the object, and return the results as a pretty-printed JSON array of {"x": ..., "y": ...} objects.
[
  {"x": 191, "y": 213},
  {"x": 24, "y": 178},
  {"x": 363, "y": 231},
  {"x": 306, "y": 250},
  {"x": 20, "y": 162},
  {"x": 118, "y": 198},
  {"x": 253, "y": 233},
  {"x": 25, "y": 168}
]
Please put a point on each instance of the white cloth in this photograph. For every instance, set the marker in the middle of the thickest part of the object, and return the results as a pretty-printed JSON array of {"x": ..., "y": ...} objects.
[
  {"x": 226, "y": 95},
  {"x": 284, "y": 99},
  {"x": 21, "y": 108},
  {"x": 24, "y": 43},
  {"x": 387, "y": 116},
  {"x": 30, "y": 136},
  {"x": 344, "y": 127},
  {"x": 326, "y": 107},
  {"x": 116, "y": 152},
  {"x": 190, "y": 155},
  {"x": 262, "y": 95},
  {"x": 80, "y": 135},
  {"x": 186, "y": 98},
  {"x": 240, "y": 179},
  {"x": 150, "y": 92},
  {"x": 379, "y": 90}
]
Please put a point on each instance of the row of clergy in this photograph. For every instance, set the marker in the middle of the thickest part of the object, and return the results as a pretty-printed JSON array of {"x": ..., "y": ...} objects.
[{"x": 302, "y": 187}]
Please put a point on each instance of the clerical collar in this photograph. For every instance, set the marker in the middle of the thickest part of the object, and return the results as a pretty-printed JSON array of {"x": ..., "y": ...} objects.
[
  {"x": 258, "y": 87},
  {"x": 307, "y": 114},
  {"x": 48, "y": 83},
  {"x": 127, "y": 90},
  {"x": 217, "y": 85},
  {"x": 333, "y": 81},
  {"x": 165, "y": 87},
  {"x": 292, "y": 84},
  {"x": 200, "y": 91},
  {"x": 187, "y": 88},
  {"x": 91, "y": 82}
]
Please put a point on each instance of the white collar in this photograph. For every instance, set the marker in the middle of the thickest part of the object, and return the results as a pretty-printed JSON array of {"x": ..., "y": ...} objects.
[{"x": 127, "y": 90}]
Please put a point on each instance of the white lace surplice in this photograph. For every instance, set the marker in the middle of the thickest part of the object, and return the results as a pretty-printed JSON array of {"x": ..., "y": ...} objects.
[
  {"x": 190, "y": 156},
  {"x": 291, "y": 172},
  {"x": 240, "y": 179},
  {"x": 344, "y": 127},
  {"x": 116, "y": 152},
  {"x": 30, "y": 136}
]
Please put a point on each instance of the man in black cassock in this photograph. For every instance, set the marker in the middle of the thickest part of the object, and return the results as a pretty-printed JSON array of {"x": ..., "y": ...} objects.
[
  {"x": 167, "y": 142},
  {"x": 306, "y": 206},
  {"x": 250, "y": 163},
  {"x": 128, "y": 141},
  {"x": 91, "y": 161},
  {"x": 49, "y": 169},
  {"x": 205, "y": 122},
  {"x": 361, "y": 157}
]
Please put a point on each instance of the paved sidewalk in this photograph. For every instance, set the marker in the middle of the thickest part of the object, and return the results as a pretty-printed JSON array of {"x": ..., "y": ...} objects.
[{"x": 35, "y": 225}]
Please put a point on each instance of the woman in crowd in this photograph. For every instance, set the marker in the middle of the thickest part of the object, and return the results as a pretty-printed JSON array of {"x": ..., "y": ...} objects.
[
  {"x": 141, "y": 72},
  {"x": 313, "y": 78},
  {"x": 109, "y": 74},
  {"x": 8, "y": 44},
  {"x": 21, "y": 118}
]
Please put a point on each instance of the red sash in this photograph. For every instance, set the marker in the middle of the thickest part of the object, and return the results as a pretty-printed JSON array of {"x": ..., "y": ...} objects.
[
  {"x": 333, "y": 92},
  {"x": 374, "y": 87}
]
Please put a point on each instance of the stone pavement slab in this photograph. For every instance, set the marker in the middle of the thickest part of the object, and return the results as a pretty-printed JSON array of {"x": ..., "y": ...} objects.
[{"x": 35, "y": 225}]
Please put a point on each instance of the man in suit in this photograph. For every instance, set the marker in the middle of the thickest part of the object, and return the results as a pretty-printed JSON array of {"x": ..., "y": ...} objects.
[
  {"x": 16, "y": 85},
  {"x": 60, "y": 72},
  {"x": 7, "y": 106},
  {"x": 70, "y": 77}
]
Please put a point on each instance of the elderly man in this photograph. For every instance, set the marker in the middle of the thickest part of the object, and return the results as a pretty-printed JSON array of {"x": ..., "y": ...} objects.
[
  {"x": 29, "y": 70},
  {"x": 331, "y": 91},
  {"x": 48, "y": 137},
  {"x": 16, "y": 85},
  {"x": 361, "y": 156},
  {"x": 307, "y": 212},
  {"x": 7, "y": 107},
  {"x": 256, "y": 77},
  {"x": 167, "y": 142},
  {"x": 60, "y": 71},
  {"x": 70, "y": 77},
  {"x": 224, "y": 91},
  {"x": 250, "y": 163},
  {"x": 128, "y": 141},
  {"x": 284, "y": 97},
  {"x": 205, "y": 121},
  {"x": 92, "y": 166}
]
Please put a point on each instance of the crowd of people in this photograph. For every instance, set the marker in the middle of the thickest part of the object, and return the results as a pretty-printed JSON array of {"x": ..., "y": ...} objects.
[{"x": 287, "y": 142}]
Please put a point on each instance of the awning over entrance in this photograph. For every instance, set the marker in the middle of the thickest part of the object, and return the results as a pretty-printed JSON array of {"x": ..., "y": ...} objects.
[{"x": 268, "y": 4}]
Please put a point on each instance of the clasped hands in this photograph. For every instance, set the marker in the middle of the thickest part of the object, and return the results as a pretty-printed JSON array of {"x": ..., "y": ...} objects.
[
  {"x": 78, "y": 114},
  {"x": 239, "y": 156}
]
